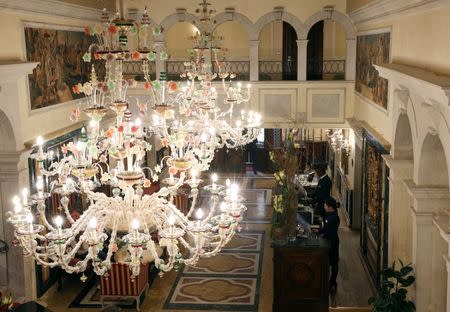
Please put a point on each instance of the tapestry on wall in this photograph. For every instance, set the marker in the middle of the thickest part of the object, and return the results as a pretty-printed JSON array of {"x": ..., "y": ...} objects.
[
  {"x": 61, "y": 66},
  {"x": 373, "y": 191},
  {"x": 372, "y": 49}
]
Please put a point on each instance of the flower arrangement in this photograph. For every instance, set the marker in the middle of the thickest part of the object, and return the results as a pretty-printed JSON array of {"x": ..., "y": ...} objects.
[
  {"x": 286, "y": 164},
  {"x": 7, "y": 302}
]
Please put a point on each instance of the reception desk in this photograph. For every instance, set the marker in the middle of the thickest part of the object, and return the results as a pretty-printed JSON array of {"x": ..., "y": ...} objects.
[{"x": 301, "y": 275}]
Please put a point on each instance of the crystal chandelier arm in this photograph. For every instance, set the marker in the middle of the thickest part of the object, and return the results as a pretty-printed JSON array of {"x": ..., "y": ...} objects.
[
  {"x": 194, "y": 203},
  {"x": 215, "y": 200}
]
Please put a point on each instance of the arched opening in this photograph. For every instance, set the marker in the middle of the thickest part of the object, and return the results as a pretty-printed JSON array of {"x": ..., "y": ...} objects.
[
  {"x": 326, "y": 51},
  {"x": 433, "y": 172},
  {"x": 234, "y": 37},
  {"x": 9, "y": 266},
  {"x": 178, "y": 42},
  {"x": 433, "y": 169},
  {"x": 278, "y": 51},
  {"x": 8, "y": 142},
  {"x": 403, "y": 144}
]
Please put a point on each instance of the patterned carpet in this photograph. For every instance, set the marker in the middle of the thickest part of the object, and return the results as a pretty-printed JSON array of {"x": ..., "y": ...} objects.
[
  {"x": 89, "y": 297},
  {"x": 229, "y": 282}
]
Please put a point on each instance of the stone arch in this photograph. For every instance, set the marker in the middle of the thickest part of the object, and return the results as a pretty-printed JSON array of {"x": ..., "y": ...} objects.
[
  {"x": 174, "y": 18},
  {"x": 341, "y": 18},
  {"x": 350, "y": 36},
  {"x": 432, "y": 168},
  {"x": 274, "y": 16},
  {"x": 403, "y": 148},
  {"x": 8, "y": 142},
  {"x": 234, "y": 17}
]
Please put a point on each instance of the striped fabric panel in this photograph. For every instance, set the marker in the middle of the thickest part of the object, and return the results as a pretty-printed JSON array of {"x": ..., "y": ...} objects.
[
  {"x": 119, "y": 282},
  {"x": 181, "y": 202}
]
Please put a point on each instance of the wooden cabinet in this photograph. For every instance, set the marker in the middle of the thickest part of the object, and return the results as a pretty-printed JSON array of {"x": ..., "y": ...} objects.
[{"x": 301, "y": 276}]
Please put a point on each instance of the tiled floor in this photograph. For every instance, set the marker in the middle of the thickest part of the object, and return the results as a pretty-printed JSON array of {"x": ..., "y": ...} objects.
[{"x": 354, "y": 286}]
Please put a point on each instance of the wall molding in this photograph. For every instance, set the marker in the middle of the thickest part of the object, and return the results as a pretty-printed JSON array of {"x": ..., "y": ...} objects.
[
  {"x": 381, "y": 10},
  {"x": 422, "y": 77},
  {"x": 51, "y": 8},
  {"x": 11, "y": 72}
]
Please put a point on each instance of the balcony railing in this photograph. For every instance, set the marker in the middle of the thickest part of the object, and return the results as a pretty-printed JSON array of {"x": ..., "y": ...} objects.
[
  {"x": 270, "y": 70},
  {"x": 240, "y": 68},
  {"x": 174, "y": 69},
  {"x": 133, "y": 69},
  {"x": 278, "y": 70},
  {"x": 326, "y": 69}
]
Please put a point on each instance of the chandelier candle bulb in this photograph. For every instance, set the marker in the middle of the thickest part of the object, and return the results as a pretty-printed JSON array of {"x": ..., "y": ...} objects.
[
  {"x": 17, "y": 208},
  {"x": 30, "y": 222},
  {"x": 214, "y": 179},
  {"x": 40, "y": 142},
  {"x": 93, "y": 223},
  {"x": 59, "y": 222}
]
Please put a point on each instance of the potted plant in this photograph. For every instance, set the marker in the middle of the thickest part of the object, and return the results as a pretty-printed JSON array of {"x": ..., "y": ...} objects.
[
  {"x": 392, "y": 297},
  {"x": 285, "y": 200},
  {"x": 7, "y": 303}
]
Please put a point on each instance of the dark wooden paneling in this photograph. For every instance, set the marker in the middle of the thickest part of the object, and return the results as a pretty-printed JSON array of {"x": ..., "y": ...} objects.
[{"x": 301, "y": 276}]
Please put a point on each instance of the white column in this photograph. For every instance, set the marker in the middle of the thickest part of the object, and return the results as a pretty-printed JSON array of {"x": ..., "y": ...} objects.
[
  {"x": 254, "y": 60},
  {"x": 426, "y": 201},
  {"x": 447, "y": 261},
  {"x": 302, "y": 55},
  {"x": 400, "y": 219},
  {"x": 12, "y": 268},
  {"x": 438, "y": 267},
  {"x": 160, "y": 65},
  {"x": 350, "y": 59}
]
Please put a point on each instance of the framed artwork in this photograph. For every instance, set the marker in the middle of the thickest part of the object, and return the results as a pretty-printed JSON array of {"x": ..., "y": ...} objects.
[
  {"x": 374, "y": 233},
  {"x": 372, "y": 48},
  {"x": 59, "y": 51}
]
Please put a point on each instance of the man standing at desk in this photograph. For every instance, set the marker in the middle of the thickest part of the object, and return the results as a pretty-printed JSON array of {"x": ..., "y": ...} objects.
[{"x": 323, "y": 190}]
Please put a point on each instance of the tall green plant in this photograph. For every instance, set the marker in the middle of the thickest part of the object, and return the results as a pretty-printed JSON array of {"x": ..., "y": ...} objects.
[
  {"x": 392, "y": 297},
  {"x": 285, "y": 162}
]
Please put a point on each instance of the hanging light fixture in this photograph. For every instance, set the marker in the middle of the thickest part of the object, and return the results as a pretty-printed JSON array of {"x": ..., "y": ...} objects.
[{"x": 114, "y": 157}]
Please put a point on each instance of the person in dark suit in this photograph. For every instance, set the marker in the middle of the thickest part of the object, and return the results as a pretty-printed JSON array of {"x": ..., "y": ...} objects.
[
  {"x": 330, "y": 233},
  {"x": 251, "y": 151},
  {"x": 323, "y": 190}
]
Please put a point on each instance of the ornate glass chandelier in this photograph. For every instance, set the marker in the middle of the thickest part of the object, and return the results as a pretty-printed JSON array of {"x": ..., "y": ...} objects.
[
  {"x": 191, "y": 113},
  {"x": 337, "y": 140},
  {"x": 114, "y": 157}
]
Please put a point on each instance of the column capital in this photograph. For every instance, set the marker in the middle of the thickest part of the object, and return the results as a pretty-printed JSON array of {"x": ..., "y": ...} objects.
[
  {"x": 253, "y": 43},
  {"x": 302, "y": 41},
  {"x": 8, "y": 165},
  {"x": 427, "y": 199},
  {"x": 400, "y": 169},
  {"x": 447, "y": 261}
]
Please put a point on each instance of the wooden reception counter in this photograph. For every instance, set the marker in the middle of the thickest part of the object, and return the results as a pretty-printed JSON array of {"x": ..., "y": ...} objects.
[{"x": 301, "y": 275}]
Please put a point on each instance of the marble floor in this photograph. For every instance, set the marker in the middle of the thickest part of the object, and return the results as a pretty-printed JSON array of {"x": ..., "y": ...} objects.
[{"x": 354, "y": 287}]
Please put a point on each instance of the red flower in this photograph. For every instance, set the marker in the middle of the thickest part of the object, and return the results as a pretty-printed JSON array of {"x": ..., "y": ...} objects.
[
  {"x": 109, "y": 133},
  {"x": 120, "y": 128},
  {"x": 172, "y": 86},
  {"x": 134, "y": 129},
  {"x": 164, "y": 142},
  {"x": 97, "y": 56},
  {"x": 147, "y": 85},
  {"x": 173, "y": 170},
  {"x": 112, "y": 29},
  {"x": 76, "y": 89},
  {"x": 136, "y": 56}
]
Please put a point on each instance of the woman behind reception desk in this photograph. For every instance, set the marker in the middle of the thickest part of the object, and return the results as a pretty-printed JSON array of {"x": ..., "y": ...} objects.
[{"x": 330, "y": 232}]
